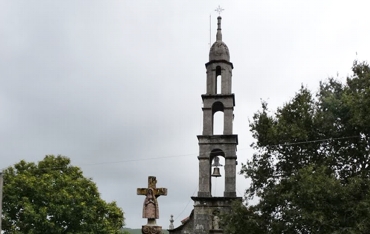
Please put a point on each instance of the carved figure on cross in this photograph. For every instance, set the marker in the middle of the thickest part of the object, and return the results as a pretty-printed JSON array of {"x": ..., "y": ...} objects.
[{"x": 150, "y": 206}]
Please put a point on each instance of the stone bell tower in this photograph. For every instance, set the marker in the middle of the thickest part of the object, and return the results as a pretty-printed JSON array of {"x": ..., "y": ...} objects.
[
  {"x": 205, "y": 218},
  {"x": 223, "y": 100}
]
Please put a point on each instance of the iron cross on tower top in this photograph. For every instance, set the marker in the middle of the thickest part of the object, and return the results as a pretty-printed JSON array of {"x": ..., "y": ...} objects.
[{"x": 219, "y": 10}]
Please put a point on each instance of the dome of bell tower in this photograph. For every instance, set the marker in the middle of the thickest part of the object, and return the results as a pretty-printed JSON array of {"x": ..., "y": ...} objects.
[{"x": 219, "y": 50}]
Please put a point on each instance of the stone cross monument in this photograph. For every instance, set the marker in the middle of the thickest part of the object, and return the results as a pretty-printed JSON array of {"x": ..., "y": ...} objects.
[{"x": 150, "y": 206}]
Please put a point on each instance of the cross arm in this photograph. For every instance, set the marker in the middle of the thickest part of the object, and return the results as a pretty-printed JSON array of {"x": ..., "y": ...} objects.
[
  {"x": 160, "y": 191},
  {"x": 142, "y": 191}
]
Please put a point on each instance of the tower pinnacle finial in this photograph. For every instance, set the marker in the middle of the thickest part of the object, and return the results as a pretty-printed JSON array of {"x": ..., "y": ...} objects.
[
  {"x": 171, "y": 223},
  {"x": 219, "y": 33}
]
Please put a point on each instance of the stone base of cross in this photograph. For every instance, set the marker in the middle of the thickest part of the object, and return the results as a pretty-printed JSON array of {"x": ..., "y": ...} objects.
[{"x": 147, "y": 229}]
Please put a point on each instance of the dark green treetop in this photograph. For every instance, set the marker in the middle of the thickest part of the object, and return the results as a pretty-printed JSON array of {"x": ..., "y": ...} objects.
[
  {"x": 54, "y": 197},
  {"x": 311, "y": 166}
]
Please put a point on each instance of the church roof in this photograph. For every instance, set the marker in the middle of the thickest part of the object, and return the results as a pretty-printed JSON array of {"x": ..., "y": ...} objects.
[{"x": 219, "y": 50}]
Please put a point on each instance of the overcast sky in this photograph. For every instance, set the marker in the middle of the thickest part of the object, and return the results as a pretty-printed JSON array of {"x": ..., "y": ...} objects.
[{"x": 115, "y": 85}]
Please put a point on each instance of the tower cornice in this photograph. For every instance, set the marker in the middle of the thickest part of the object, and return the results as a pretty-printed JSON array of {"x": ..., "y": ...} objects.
[
  {"x": 217, "y": 139},
  {"x": 219, "y": 96},
  {"x": 219, "y": 61}
]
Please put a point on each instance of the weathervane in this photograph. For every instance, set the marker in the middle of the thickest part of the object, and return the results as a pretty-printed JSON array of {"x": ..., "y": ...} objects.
[{"x": 219, "y": 10}]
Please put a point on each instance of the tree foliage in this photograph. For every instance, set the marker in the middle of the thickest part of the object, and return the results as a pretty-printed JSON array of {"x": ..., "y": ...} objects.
[
  {"x": 54, "y": 197},
  {"x": 311, "y": 166}
]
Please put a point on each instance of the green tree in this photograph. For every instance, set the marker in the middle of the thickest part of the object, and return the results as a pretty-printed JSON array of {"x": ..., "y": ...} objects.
[
  {"x": 54, "y": 197},
  {"x": 311, "y": 166},
  {"x": 242, "y": 219}
]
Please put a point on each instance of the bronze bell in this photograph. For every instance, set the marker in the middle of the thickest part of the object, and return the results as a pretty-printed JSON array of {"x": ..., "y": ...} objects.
[
  {"x": 216, "y": 172},
  {"x": 216, "y": 162}
]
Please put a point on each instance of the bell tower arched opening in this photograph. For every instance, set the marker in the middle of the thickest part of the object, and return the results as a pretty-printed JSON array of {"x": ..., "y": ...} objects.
[
  {"x": 218, "y": 123},
  {"x": 218, "y": 176},
  {"x": 218, "y": 83},
  {"x": 217, "y": 172},
  {"x": 217, "y": 118}
]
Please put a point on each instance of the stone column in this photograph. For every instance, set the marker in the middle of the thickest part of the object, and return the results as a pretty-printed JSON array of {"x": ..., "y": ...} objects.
[
  {"x": 230, "y": 180},
  {"x": 228, "y": 121}
]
